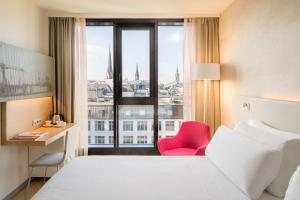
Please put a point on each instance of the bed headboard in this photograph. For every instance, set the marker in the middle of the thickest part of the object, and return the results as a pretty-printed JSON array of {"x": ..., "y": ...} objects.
[{"x": 284, "y": 115}]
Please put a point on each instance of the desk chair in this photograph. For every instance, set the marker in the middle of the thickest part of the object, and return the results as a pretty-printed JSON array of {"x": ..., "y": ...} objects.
[{"x": 49, "y": 160}]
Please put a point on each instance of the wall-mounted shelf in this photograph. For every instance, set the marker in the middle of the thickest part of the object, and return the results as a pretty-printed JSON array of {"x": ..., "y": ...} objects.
[{"x": 53, "y": 135}]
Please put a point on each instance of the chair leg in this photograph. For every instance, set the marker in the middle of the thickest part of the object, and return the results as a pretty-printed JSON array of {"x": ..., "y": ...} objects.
[
  {"x": 45, "y": 174},
  {"x": 29, "y": 180}
]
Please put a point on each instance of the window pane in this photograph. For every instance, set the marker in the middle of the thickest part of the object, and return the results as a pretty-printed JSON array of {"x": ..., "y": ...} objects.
[
  {"x": 127, "y": 139},
  {"x": 135, "y": 63},
  {"x": 100, "y": 85},
  {"x": 127, "y": 125},
  {"x": 111, "y": 139},
  {"x": 99, "y": 125},
  {"x": 142, "y": 125},
  {"x": 135, "y": 123},
  {"x": 142, "y": 139},
  {"x": 99, "y": 139},
  {"x": 170, "y": 80}
]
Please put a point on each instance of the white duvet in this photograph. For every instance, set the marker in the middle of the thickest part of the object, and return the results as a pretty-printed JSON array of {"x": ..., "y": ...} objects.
[{"x": 141, "y": 177}]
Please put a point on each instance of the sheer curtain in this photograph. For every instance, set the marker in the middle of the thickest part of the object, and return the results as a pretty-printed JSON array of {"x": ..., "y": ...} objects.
[
  {"x": 80, "y": 92},
  {"x": 189, "y": 58},
  {"x": 202, "y": 46}
]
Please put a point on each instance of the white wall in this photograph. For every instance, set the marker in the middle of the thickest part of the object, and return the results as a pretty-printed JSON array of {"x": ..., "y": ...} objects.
[
  {"x": 22, "y": 24},
  {"x": 260, "y": 51}
]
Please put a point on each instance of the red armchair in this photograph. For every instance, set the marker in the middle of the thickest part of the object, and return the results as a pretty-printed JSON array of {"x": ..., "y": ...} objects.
[{"x": 191, "y": 139}]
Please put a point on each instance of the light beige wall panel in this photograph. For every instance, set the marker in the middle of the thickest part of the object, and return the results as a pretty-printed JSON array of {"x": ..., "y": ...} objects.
[
  {"x": 260, "y": 48},
  {"x": 24, "y": 24},
  {"x": 21, "y": 112},
  {"x": 228, "y": 72}
]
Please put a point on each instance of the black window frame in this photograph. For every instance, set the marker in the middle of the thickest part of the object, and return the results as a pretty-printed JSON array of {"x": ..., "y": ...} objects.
[{"x": 119, "y": 24}]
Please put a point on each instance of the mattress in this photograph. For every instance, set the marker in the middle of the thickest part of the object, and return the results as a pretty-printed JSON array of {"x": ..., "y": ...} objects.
[{"x": 141, "y": 177}]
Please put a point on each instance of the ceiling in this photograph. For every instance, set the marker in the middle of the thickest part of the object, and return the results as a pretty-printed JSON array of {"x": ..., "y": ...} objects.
[{"x": 137, "y": 7}]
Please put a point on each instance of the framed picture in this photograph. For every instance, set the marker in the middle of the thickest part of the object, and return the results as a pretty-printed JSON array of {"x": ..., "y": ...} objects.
[{"x": 25, "y": 74}]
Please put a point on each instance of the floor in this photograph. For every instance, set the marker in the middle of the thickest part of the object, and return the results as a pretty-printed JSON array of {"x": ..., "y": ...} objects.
[{"x": 36, "y": 184}]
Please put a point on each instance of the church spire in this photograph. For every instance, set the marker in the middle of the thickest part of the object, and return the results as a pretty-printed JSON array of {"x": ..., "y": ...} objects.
[
  {"x": 177, "y": 75},
  {"x": 109, "y": 72},
  {"x": 137, "y": 74}
]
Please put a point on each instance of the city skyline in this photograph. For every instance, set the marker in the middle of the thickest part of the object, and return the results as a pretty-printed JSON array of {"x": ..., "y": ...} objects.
[
  {"x": 100, "y": 41},
  {"x": 109, "y": 72}
]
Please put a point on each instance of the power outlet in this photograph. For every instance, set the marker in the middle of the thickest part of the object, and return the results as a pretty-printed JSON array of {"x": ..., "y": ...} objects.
[{"x": 36, "y": 123}]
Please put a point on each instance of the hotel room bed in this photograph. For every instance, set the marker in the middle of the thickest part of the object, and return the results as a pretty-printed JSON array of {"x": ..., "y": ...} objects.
[
  {"x": 192, "y": 178},
  {"x": 141, "y": 177}
]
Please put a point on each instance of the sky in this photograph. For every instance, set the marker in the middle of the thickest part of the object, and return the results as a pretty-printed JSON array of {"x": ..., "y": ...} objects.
[{"x": 135, "y": 51}]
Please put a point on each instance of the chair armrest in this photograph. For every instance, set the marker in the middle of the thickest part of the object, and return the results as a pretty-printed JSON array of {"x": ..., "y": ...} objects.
[
  {"x": 201, "y": 150},
  {"x": 165, "y": 144}
]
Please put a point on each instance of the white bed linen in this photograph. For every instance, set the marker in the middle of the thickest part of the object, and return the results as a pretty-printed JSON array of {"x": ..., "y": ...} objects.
[{"x": 141, "y": 177}]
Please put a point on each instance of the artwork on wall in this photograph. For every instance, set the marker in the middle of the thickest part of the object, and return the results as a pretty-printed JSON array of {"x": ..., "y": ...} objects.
[{"x": 25, "y": 74}]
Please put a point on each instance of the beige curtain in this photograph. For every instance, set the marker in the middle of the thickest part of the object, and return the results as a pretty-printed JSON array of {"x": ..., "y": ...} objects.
[
  {"x": 61, "y": 47},
  {"x": 68, "y": 47},
  {"x": 206, "y": 31},
  {"x": 80, "y": 100}
]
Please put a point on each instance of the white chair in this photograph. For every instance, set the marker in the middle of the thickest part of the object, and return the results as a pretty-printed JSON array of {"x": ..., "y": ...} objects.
[{"x": 49, "y": 160}]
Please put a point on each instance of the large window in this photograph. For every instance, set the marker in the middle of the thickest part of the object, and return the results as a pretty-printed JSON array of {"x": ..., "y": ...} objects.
[{"x": 135, "y": 82}]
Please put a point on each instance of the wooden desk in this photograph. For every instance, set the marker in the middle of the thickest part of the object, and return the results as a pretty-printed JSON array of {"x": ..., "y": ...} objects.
[{"x": 53, "y": 135}]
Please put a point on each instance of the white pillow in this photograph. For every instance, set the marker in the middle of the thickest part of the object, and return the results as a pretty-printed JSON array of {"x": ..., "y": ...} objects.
[
  {"x": 280, "y": 133},
  {"x": 293, "y": 191},
  {"x": 251, "y": 166},
  {"x": 288, "y": 143},
  {"x": 259, "y": 135}
]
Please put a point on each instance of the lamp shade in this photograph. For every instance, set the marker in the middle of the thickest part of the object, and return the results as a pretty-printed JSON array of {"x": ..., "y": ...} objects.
[{"x": 210, "y": 71}]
